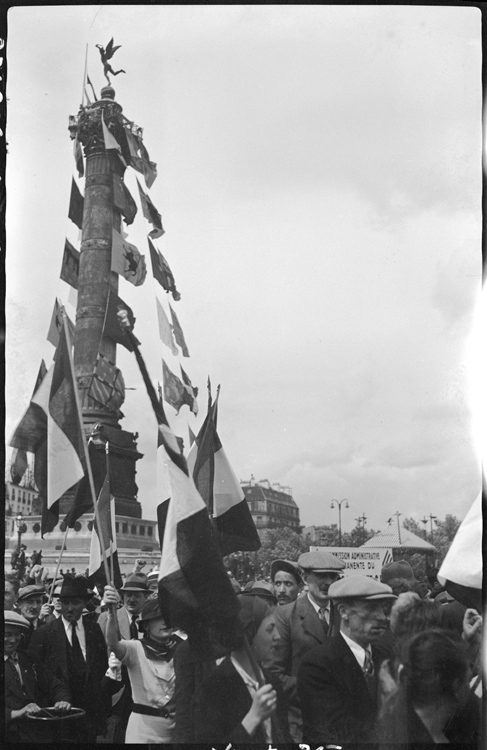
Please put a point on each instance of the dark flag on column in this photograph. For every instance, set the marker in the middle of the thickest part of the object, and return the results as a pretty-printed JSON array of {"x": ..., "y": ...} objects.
[
  {"x": 70, "y": 265},
  {"x": 76, "y": 203},
  {"x": 178, "y": 333},
  {"x": 56, "y": 325},
  {"x": 78, "y": 157},
  {"x": 151, "y": 214},
  {"x": 123, "y": 200},
  {"x": 162, "y": 273},
  {"x": 107, "y": 386},
  {"x": 111, "y": 326}
]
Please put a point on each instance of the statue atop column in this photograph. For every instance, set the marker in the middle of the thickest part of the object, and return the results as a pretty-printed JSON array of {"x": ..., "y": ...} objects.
[{"x": 106, "y": 54}]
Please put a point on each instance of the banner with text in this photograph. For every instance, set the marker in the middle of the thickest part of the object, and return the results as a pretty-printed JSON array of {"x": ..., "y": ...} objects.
[{"x": 366, "y": 561}]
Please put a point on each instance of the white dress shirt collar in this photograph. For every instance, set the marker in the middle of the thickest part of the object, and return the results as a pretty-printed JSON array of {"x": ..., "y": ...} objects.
[
  {"x": 357, "y": 650},
  {"x": 80, "y": 632}
]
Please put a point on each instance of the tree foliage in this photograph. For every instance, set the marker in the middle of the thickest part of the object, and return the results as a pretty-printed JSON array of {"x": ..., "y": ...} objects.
[{"x": 442, "y": 537}]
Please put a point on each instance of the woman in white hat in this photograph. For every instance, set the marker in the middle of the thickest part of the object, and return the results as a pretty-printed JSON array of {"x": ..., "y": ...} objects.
[{"x": 149, "y": 662}]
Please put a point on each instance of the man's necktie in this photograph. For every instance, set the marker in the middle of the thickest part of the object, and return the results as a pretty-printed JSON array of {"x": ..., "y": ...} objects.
[
  {"x": 369, "y": 674},
  {"x": 78, "y": 657},
  {"x": 15, "y": 664},
  {"x": 134, "y": 631},
  {"x": 323, "y": 615}
]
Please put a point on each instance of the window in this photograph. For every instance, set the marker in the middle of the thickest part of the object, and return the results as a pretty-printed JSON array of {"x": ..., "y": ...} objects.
[
  {"x": 133, "y": 529},
  {"x": 125, "y": 528},
  {"x": 13, "y": 494},
  {"x": 142, "y": 531},
  {"x": 116, "y": 526},
  {"x": 149, "y": 531}
]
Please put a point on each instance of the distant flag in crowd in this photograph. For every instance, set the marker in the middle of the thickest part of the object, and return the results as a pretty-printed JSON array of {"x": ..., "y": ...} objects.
[
  {"x": 107, "y": 386},
  {"x": 220, "y": 489},
  {"x": 123, "y": 200},
  {"x": 195, "y": 592},
  {"x": 151, "y": 214},
  {"x": 70, "y": 265},
  {"x": 83, "y": 500},
  {"x": 176, "y": 392},
  {"x": 78, "y": 156},
  {"x": 65, "y": 452},
  {"x": 31, "y": 429},
  {"x": 92, "y": 88},
  {"x": 76, "y": 203},
  {"x": 127, "y": 261},
  {"x": 162, "y": 273},
  {"x": 165, "y": 329},
  {"x": 191, "y": 391},
  {"x": 178, "y": 333},
  {"x": 56, "y": 325},
  {"x": 104, "y": 541},
  {"x": 111, "y": 326},
  {"x": 111, "y": 143}
]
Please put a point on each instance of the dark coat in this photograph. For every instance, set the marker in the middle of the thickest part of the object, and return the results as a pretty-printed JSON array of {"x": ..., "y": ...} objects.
[
  {"x": 27, "y": 635},
  {"x": 336, "y": 704},
  {"x": 221, "y": 703},
  {"x": 50, "y": 646},
  {"x": 39, "y": 686}
]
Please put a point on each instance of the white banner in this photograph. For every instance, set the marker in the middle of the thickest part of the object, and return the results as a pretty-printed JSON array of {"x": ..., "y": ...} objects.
[{"x": 367, "y": 561}]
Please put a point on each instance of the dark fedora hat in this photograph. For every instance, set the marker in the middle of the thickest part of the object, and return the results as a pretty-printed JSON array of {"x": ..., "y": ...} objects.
[
  {"x": 136, "y": 582},
  {"x": 75, "y": 588}
]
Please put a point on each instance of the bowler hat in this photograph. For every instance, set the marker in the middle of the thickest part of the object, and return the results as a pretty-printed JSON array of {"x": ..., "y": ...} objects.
[
  {"x": 288, "y": 567},
  {"x": 136, "y": 582},
  {"x": 26, "y": 592},
  {"x": 399, "y": 569},
  {"x": 360, "y": 587},
  {"x": 320, "y": 562},
  {"x": 13, "y": 618},
  {"x": 75, "y": 588}
]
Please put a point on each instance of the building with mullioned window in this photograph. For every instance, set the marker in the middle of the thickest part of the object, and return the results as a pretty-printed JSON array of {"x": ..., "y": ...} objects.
[{"x": 271, "y": 505}]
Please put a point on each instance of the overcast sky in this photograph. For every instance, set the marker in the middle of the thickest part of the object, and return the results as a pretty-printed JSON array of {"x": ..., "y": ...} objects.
[{"x": 320, "y": 187}]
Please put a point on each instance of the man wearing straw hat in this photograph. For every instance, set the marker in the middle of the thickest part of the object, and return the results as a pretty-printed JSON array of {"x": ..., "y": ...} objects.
[
  {"x": 74, "y": 649},
  {"x": 28, "y": 686}
]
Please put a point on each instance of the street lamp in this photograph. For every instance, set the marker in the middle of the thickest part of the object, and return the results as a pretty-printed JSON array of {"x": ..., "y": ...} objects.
[
  {"x": 361, "y": 520},
  {"x": 339, "y": 503},
  {"x": 20, "y": 529}
]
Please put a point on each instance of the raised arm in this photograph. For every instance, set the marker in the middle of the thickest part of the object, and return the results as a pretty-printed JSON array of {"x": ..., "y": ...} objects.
[{"x": 114, "y": 643}]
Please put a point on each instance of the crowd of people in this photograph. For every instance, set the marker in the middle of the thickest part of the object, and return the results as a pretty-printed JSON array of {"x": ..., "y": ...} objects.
[{"x": 316, "y": 658}]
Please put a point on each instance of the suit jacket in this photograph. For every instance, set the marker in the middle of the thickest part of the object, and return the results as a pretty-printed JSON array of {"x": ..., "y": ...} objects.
[
  {"x": 301, "y": 630},
  {"x": 123, "y": 623},
  {"x": 336, "y": 705},
  {"x": 27, "y": 634},
  {"x": 39, "y": 686},
  {"x": 221, "y": 703},
  {"x": 50, "y": 646}
]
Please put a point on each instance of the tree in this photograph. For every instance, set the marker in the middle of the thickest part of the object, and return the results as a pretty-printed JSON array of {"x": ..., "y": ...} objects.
[{"x": 278, "y": 544}]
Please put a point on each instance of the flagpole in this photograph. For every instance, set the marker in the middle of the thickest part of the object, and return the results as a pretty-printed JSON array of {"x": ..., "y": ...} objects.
[
  {"x": 107, "y": 460},
  {"x": 57, "y": 566},
  {"x": 83, "y": 437},
  {"x": 84, "y": 77}
]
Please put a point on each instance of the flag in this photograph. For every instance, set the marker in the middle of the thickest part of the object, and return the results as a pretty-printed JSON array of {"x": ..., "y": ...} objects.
[
  {"x": 148, "y": 167},
  {"x": 111, "y": 327},
  {"x": 123, "y": 200},
  {"x": 162, "y": 273},
  {"x": 78, "y": 156},
  {"x": 151, "y": 214},
  {"x": 192, "y": 436},
  {"x": 70, "y": 265},
  {"x": 83, "y": 500},
  {"x": 220, "y": 489},
  {"x": 178, "y": 333},
  {"x": 76, "y": 203},
  {"x": 65, "y": 451},
  {"x": 56, "y": 325},
  {"x": 93, "y": 90},
  {"x": 104, "y": 541},
  {"x": 28, "y": 433},
  {"x": 165, "y": 330},
  {"x": 111, "y": 143},
  {"x": 107, "y": 386},
  {"x": 127, "y": 261},
  {"x": 191, "y": 392}
]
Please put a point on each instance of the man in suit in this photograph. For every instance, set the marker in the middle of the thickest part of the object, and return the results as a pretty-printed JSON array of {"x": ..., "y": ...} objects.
[
  {"x": 74, "y": 649},
  {"x": 303, "y": 624},
  {"x": 287, "y": 581},
  {"x": 337, "y": 681},
  {"x": 135, "y": 592},
  {"x": 28, "y": 687}
]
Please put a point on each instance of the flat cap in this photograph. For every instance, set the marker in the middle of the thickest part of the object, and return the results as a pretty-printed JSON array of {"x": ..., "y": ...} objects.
[
  {"x": 13, "y": 618},
  {"x": 360, "y": 587},
  {"x": 288, "y": 567},
  {"x": 32, "y": 590},
  {"x": 399, "y": 569},
  {"x": 320, "y": 562}
]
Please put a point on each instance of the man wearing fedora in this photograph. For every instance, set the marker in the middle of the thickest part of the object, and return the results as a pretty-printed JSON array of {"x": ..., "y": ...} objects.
[
  {"x": 135, "y": 592},
  {"x": 303, "y": 624},
  {"x": 287, "y": 581},
  {"x": 28, "y": 686},
  {"x": 338, "y": 681},
  {"x": 74, "y": 649}
]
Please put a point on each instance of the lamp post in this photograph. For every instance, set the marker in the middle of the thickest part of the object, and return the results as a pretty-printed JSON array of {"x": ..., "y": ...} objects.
[
  {"x": 19, "y": 520},
  {"x": 339, "y": 503},
  {"x": 361, "y": 520}
]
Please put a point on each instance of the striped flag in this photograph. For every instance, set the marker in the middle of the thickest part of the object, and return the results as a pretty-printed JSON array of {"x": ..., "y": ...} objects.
[
  {"x": 220, "y": 489},
  {"x": 104, "y": 541},
  {"x": 30, "y": 431}
]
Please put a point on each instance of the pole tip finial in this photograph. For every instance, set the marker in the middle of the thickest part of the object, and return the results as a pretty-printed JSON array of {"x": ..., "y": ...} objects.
[{"x": 107, "y": 92}]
